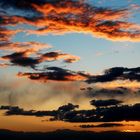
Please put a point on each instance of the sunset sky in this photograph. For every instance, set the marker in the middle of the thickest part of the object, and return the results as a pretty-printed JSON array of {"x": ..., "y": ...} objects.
[{"x": 70, "y": 64}]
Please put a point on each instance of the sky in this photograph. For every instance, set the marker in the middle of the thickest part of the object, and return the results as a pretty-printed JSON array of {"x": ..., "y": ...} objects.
[{"x": 70, "y": 64}]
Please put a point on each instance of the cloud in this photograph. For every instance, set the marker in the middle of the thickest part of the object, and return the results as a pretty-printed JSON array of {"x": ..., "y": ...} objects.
[
  {"x": 25, "y": 51},
  {"x": 128, "y": 113},
  {"x": 23, "y": 46},
  {"x": 68, "y": 107},
  {"x": 15, "y": 110},
  {"x": 22, "y": 59},
  {"x": 124, "y": 94},
  {"x": 29, "y": 96},
  {"x": 103, "y": 125},
  {"x": 56, "y": 74},
  {"x": 22, "y": 55},
  {"x": 59, "y": 17},
  {"x": 121, "y": 92},
  {"x": 69, "y": 113},
  {"x": 6, "y": 34},
  {"x": 98, "y": 21},
  {"x": 105, "y": 114},
  {"x": 56, "y": 55},
  {"x": 117, "y": 73},
  {"x": 4, "y": 65},
  {"x": 103, "y": 103},
  {"x": 19, "y": 4},
  {"x": 71, "y": 59},
  {"x": 111, "y": 79},
  {"x": 51, "y": 56},
  {"x": 131, "y": 85}
]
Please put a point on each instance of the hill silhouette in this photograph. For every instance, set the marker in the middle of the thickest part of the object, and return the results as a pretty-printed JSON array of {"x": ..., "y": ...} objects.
[{"x": 69, "y": 135}]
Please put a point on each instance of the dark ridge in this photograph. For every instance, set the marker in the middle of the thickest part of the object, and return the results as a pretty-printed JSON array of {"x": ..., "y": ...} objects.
[{"x": 69, "y": 135}]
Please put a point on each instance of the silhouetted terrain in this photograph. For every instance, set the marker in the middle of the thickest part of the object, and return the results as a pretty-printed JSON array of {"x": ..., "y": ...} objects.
[{"x": 69, "y": 135}]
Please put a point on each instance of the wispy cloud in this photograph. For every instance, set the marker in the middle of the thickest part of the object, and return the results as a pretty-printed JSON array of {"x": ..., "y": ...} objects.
[{"x": 61, "y": 17}]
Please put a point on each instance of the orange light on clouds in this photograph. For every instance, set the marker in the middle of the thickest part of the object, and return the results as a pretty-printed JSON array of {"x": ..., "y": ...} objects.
[{"x": 134, "y": 85}]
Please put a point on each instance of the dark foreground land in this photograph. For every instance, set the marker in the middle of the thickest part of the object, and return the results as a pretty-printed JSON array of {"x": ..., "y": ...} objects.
[{"x": 68, "y": 135}]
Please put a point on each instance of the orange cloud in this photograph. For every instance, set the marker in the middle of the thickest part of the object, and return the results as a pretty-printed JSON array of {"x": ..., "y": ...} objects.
[
  {"x": 25, "y": 58},
  {"x": 56, "y": 55},
  {"x": 133, "y": 85},
  {"x": 22, "y": 46},
  {"x": 55, "y": 74},
  {"x": 6, "y": 34},
  {"x": 112, "y": 78},
  {"x": 61, "y": 17},
  {"x": 102, "y": 23},
  {"x": 4, "y": 64},
  {"x": 45, "y": 77}
]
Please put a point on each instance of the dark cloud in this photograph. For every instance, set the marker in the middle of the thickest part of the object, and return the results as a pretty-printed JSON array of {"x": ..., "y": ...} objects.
[
  {"x": 117, "y": 73},
  {"x": 115, "y": 93},
  {"x": 50, "y": 56},
  {"x": 118, "y": 90},
  {"x": 110, "y": 75},
  {"x": 20, "y": 4},
  {"x": 71, "y": 59},
  {"x": 125, "y": 112},
  {"x": 104, "y": 103},
  {"x": 63, "y": 113},
  {"x": 87, "y": 126},
  {"x": 69, "y": 113},
  {"x": 56, "y": 55},
  {"x": 23, "y": 55},
  {"x": 56, "y": 74},
  {"x": 78, "y": 116},
  {"x": 105, "y": 114},
  {"x": 22, "y": 59},
  {"x": 68, "y": 107},
  {"x": 15, "y": 110},
  {"x": 102, "y": 125}
]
